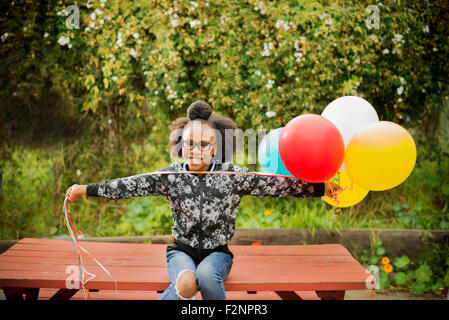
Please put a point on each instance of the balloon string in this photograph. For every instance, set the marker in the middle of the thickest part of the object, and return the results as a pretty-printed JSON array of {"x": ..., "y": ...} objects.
[
  {"x": 75, "y": 244},
  {"x": 336, "y": 194}
]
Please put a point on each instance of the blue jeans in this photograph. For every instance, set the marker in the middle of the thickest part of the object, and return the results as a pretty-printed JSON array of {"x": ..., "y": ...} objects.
[{"x": 211, "y": 273}]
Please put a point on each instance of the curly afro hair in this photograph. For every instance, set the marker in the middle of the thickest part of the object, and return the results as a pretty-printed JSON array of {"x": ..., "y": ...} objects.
[{"x": 202, "y": 111}]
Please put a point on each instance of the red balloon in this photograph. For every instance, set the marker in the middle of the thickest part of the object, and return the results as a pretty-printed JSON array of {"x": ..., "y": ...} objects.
[{"x": 311, "y": 148}]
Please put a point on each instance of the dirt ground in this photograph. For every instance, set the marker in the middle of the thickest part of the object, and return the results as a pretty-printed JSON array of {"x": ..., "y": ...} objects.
[{"x": 388, "y": 295}]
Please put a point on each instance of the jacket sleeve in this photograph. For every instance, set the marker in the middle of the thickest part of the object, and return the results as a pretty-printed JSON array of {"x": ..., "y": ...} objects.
[
  {"x": 140, "y": 185},
  {"x": 272, "y": 186}
]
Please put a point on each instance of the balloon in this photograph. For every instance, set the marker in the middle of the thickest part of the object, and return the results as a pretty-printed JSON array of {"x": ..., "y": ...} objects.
[
  {"x": 350, "y": 114},
  {"x": 268, "y": 154},
  {"x": 380, "y": 156},
  {"x": 351, "y": 194},
  {"x": 311, "y": 148}
]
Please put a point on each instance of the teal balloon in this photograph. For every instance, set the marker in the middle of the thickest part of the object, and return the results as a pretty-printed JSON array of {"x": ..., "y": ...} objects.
[{"x": 268, "y": 154}]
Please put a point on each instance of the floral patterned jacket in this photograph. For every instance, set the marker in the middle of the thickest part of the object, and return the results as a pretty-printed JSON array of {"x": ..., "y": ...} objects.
[{"x": 204, "y": 207}]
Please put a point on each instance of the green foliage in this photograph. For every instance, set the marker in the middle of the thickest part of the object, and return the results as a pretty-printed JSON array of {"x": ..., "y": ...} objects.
[
  {"x": 153, "y": 58},
  {"x": 145, "y": 216},
  {"x": 428, "y": 273}
]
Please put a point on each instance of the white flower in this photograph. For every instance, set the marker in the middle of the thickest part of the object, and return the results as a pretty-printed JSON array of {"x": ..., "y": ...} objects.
[
  {"x": 396, "y": 51},
  {"x": 328, "y": 21},
  {"x": 296, "y": 45},
  {"x": 109, "y": 121},
  {"x": 172, "y": 95},
  {"x": 136, "y": 35},
  {"x": 87, "y": 29},
  {"x": 434, "y": 49},
  {"x": 174, "y": 20},
  {"x": 46, "y": 34},
  {"x": 133, "y": 52},
  {"x": 270, "y": 84},
  {"x": 78, "y": 172},
  {"x": 119, "y": 41},
  {"x": 89, "y": 4},
  {"x": 98, "y": 12},
  {"x": 4, "y": 36},
  {"x": 194, "y": 23},
  {"x": 398, "y": 38},
  {"x": 193, "y": 3},
  {"x": 283, "y": 24},
  {"x": 267, "y": 46},
  {"x": 205, "y": 22},
  {"x": 92, "y": 16},
  {"x": 386, "y": 51},
  {"x": 63, "y": 40},
  {"x": 402, "y": 80},
  {"x": 270, "y": 114},
  {"x": 426, "y": 29},
  {"x": 400, "y": 90},
  {"x": 114, "y": 78},
  {"x": 69, "y": 45}
]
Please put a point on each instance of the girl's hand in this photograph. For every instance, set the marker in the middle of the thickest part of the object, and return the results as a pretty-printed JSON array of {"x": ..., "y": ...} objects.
[
  {"x": 331, "y": 189},
  {"x": 75, "y": 192}
]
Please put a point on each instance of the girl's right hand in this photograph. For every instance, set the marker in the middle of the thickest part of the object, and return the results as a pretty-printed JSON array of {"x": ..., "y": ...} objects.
[{"x": 75, "y": 192}]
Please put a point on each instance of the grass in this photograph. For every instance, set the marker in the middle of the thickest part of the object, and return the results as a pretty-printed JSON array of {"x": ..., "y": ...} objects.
[{"x": 35, "y": 180}]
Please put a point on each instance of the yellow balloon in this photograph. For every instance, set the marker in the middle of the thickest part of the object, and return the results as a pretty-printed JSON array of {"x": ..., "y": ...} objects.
[
  {"x": 351, "y": 194},
  {"x": 380, "y": 156}
]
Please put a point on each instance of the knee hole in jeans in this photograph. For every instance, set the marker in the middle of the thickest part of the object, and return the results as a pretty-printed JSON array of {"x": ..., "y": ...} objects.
[{"x": 186, "y": 284}]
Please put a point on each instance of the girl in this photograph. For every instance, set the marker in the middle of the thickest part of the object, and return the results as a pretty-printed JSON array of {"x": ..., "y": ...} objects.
[{"x": 204, "y": 206}]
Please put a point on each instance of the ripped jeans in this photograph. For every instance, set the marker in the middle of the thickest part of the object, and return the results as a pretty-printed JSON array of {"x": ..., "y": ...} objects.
[{"x": 211, "y": 273}]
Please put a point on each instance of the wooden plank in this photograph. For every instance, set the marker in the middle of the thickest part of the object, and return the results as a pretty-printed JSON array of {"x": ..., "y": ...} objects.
[
  {"x": 30, "y": 263},
  {"x": 141, "y": 266},
  {"x": 315, "y": 249},
  {"x": 117, "y": 260}
]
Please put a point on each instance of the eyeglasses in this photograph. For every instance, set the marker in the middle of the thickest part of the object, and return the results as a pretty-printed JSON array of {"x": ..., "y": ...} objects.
[{"x": 202, "y": 145}]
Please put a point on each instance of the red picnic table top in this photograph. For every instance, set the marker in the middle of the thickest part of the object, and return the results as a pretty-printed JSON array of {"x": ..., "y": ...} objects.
[{"x": 37, "y": 268}]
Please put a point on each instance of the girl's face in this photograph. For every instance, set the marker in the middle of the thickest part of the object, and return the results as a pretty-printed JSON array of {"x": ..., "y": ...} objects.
[{"x": 198, "y": 145}]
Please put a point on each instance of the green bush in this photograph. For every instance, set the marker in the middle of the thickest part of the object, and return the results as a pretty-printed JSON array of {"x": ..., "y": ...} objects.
[{"x": 98, "y": 100}]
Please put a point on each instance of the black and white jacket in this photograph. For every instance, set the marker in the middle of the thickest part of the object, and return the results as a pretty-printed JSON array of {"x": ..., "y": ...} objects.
[{"x": 204, "y": 207}]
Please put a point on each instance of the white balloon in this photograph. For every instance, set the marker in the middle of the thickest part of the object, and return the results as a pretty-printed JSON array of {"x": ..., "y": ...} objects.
[{"x": 350, "y": 114}]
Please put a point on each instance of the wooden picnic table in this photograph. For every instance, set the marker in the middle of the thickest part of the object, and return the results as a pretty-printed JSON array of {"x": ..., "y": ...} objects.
[{"x": 37, "y": 269}]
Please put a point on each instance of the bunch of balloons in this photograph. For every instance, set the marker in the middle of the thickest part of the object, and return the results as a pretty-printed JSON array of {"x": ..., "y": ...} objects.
[{"x": 346, "y": 144}]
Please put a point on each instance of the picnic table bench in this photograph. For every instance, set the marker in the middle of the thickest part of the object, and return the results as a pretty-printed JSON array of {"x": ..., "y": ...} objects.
[{"x": 37, "y": 269}]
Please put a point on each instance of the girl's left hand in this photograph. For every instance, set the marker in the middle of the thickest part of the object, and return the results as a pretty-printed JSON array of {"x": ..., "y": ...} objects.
[{"x": 331, "y": 189}]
